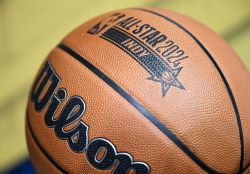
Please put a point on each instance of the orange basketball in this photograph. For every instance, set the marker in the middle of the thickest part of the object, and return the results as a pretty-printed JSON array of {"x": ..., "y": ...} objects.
[{"x": 140, "y": 91}]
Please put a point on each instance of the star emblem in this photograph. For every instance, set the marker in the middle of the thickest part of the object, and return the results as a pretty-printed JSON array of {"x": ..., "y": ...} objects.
[{"x": 167, "y": 80}]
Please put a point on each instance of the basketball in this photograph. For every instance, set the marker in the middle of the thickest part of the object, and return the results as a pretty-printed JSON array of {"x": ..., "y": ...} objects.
[{"x": 139, "y": 91}]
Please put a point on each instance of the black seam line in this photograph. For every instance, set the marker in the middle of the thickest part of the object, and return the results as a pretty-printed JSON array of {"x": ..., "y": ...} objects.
[
  {"x": 60, "y": 168},
  {"x": 138, "y": 106},
  {"x": 221, "y": 74}
]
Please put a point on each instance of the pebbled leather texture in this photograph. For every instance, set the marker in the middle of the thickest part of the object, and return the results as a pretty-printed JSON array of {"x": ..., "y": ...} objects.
[{"x": 200, "y": 107}]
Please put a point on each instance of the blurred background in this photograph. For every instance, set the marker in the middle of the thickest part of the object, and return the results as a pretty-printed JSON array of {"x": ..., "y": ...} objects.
[{"x": 29, "y": 29}]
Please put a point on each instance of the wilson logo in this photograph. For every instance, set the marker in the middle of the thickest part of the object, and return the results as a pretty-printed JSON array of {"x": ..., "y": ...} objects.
[{"x": 100, "y": 152}]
